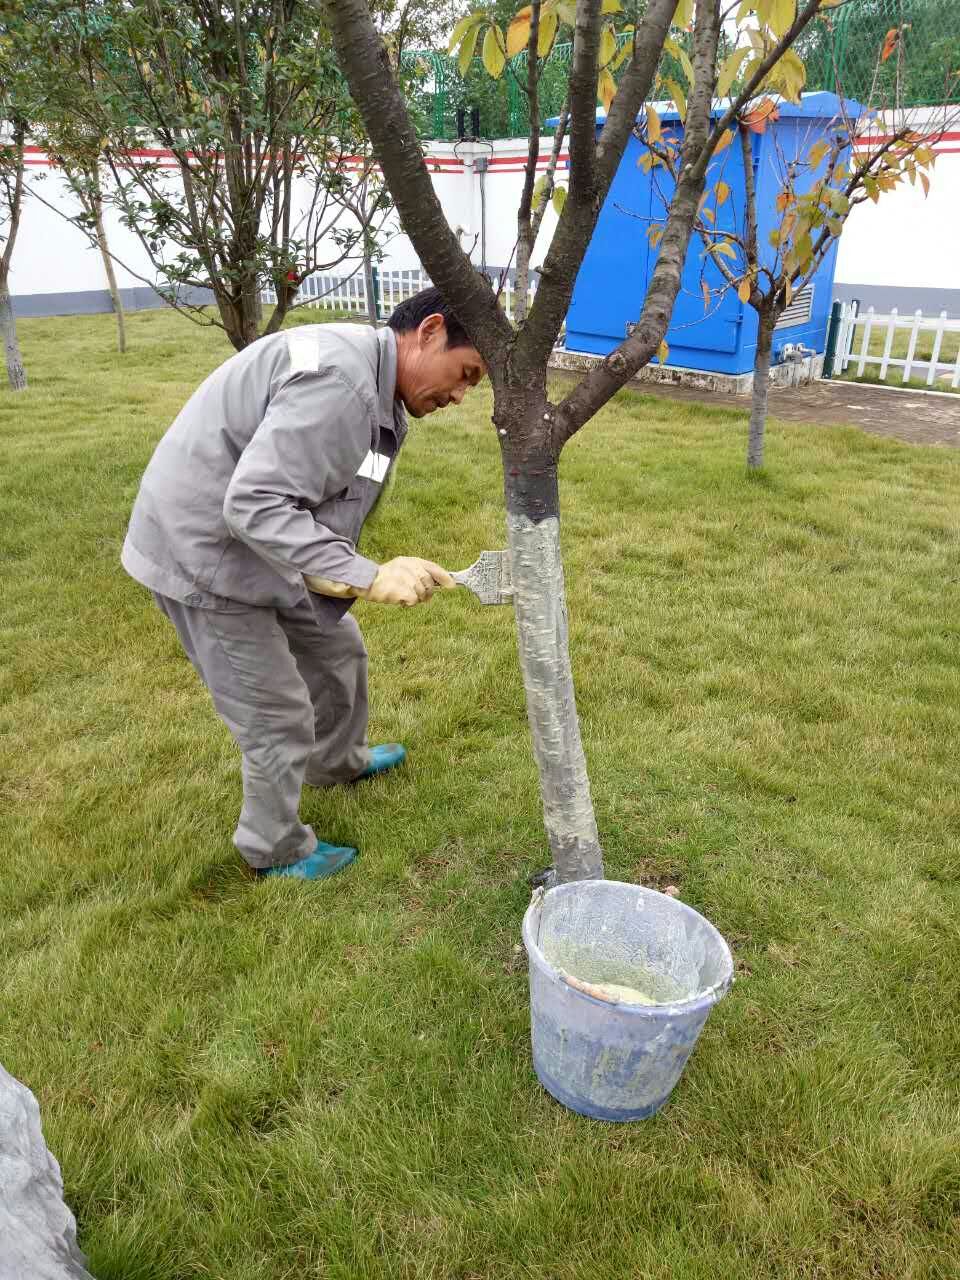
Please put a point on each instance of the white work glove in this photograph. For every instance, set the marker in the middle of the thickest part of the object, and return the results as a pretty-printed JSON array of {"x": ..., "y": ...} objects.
[{"x": 405, "y": 580}]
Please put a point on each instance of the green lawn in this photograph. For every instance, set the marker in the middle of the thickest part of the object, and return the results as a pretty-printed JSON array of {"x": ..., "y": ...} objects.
[{"x": 272, "y": 1081}]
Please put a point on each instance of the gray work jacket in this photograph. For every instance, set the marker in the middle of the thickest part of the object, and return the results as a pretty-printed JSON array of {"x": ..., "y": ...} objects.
[{"x": 269, "y": 472}]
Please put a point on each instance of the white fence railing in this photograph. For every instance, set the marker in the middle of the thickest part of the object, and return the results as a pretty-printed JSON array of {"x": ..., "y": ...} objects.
[
  {"x": 349, "y": 294},
  {"x": 922, "y": 347}
]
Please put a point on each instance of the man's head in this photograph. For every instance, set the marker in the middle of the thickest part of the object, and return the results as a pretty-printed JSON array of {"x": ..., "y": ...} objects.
[{"x": 436, "y": 361}]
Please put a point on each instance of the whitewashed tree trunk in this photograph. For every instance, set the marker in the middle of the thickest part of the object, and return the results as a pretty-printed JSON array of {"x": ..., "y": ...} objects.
[
  {"x": 8, "y": 326},
  {"x": 541, "y": 612}
]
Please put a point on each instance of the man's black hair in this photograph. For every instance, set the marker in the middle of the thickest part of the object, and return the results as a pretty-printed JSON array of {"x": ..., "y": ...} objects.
[{"x": 412, "y": 312}]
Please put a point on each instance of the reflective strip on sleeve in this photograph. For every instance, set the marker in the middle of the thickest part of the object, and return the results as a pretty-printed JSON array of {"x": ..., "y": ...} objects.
[
  {"x": 304, "y": 353},
  {"x": 375, "y": 467}
]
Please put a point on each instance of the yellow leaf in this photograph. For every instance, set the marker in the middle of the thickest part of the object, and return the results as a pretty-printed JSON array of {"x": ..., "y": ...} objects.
[
  {"x": 611, "y": 6},
  {"x": 567, "y": 11},
  {"x": 684, "y": 14},
  {"x": 663, "y": 352},
  {"x": 460, "y": 30},
  {"x": 518, "y": 32},
  {"x": 729, "y": 70},
  {"x": 655, "y": 235},
  {"x": 722, "y": 191},
  {"x": 705, "y": 288},
  {"x": 494, "y": 58},
  {"x": 606, "y": 89},
  {"x": 725, "y": 139},
  {"x": 559, "y": 199},
  {"x": 545, "y": 36},
  {"x": 608, "y": 46},
  {"x": 654, "y": 132},
  {"x": 782, "y": 14},
  {"x": 679, "y": 97},
  {"x": 817, "y": 152},
  {"x": 680, "y": 54},
  {"x": 788, "y": 291},
  {"x": 743, "y": 290},
  {"x": 467, "y": 50},
  {"x": 724, "y": 248},
  {"x": 626, "y": 50},
  {"x": 925, "y": 183}
]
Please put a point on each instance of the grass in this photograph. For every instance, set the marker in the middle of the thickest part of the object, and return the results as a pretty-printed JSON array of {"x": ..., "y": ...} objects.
[
  {"x": 276, "y": 1081},
  {"x": 949, "y": 353}
]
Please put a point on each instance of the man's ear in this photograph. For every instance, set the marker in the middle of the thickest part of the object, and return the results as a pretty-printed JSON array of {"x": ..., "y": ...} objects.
[{"x": 431, "y": 326}]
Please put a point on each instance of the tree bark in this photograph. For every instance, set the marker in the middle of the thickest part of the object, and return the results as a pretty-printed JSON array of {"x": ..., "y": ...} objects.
[
  {"x": 533, "y": 532},
  {"x": 761, "y": 392},
  {"x": 8, "y": 326},
  {"x": 97, "y": 203}
]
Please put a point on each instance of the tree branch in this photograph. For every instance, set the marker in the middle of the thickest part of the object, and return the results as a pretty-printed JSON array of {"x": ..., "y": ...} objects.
[
  {"x": 620, "y": 365},
  {"x": 374, "y": 88},
  {"x": 582, "y": 207}
]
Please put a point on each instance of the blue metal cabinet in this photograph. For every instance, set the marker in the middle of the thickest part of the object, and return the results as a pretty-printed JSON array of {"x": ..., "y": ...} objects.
[{"x": 613, "y": 278}]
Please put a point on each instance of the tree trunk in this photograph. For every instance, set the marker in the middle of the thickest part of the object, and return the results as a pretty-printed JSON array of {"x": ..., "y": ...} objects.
[
  {"x": 370, "y": 289},
  {"x": 8, "y": 325},
  {"x": 761, "y": 392},
  {"x": 97, "y": 203},
  {"x": 533, "y": 530},
  {"x": 522, "y": 283}
]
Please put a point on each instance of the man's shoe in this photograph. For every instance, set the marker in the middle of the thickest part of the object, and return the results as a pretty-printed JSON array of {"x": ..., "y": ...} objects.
[
  {"x": 387, "y": 756},
  {"x": 326, "y": 860}
]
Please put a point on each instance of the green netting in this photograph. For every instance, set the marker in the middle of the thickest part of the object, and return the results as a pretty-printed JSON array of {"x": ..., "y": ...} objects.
[{"x": 841, "y": 52}]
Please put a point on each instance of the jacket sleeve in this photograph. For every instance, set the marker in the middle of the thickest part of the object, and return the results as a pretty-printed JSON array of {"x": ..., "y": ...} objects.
[{"x": 309, "y": 446}]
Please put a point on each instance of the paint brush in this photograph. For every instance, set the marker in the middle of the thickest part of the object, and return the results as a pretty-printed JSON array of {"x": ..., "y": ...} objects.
[{"x": 488, "y": 578}]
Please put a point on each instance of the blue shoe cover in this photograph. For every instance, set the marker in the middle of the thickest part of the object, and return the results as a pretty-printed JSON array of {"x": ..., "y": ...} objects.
[
  {"x": 386, "y": 756},
  {"x": 326, "y": 860}
]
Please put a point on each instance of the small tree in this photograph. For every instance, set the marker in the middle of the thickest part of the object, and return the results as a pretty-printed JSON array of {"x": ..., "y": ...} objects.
[
  {"x": 249, "y": 103},
  {"x": 820, "y": 182},
  {"x": 531, "y": 429},
  {"x": 11, "y": 205}
]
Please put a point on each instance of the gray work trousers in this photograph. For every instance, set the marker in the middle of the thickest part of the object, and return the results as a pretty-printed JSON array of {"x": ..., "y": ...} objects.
[{"x": 294, "y": 697}]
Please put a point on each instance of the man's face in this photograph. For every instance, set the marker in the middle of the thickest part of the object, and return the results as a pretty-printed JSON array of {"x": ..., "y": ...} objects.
[{"x": 431, "y": 374}]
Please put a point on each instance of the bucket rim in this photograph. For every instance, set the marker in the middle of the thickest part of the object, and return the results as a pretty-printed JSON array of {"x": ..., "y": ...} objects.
[{"x": 703, "y": 999}]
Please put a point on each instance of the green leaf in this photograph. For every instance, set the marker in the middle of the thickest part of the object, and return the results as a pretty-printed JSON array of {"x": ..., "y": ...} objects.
[
  {"x": 559, "y": 199},
  {"x": 494, "y": 55},
  {"x": 467, "y": 50},
  {"x": 461, "y": 29},
  {"x": 729, "y": 70}
]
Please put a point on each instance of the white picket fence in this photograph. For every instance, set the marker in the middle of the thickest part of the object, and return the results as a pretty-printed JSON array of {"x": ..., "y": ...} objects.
[
  {"x": 861, "y": 331},
  {"x": 348, "y": 293}
]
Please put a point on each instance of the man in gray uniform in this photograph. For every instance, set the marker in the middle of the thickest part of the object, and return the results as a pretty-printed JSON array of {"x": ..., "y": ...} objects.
[{"x": 245, "y": 530}]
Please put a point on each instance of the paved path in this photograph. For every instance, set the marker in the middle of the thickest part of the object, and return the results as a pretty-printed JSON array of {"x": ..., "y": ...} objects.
[{"x": 915, "y": 419}]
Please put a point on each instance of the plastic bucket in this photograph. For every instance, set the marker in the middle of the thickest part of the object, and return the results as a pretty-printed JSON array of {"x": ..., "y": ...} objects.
[{"x": 599, "y": 1053}]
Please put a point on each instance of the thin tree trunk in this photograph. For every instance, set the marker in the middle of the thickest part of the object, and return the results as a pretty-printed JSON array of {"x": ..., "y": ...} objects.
[
  {"x": 97, "y": 203},
  {"x": 533, "y": 531},
  {"x": 8, "y": 326},
  {"x": 761, "y": 392},
  {"x": 370, "y": 289}
]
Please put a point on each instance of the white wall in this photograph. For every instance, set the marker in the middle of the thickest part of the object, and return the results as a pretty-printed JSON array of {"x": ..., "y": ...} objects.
[{"x": 905, "y": 242}]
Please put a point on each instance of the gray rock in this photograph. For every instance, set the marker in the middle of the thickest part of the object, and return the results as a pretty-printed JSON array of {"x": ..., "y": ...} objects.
[{"x": 38, "y": 1234}]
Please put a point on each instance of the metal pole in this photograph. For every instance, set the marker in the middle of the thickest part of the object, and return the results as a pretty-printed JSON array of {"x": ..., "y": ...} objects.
[{"x": 833, "y": 330}]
